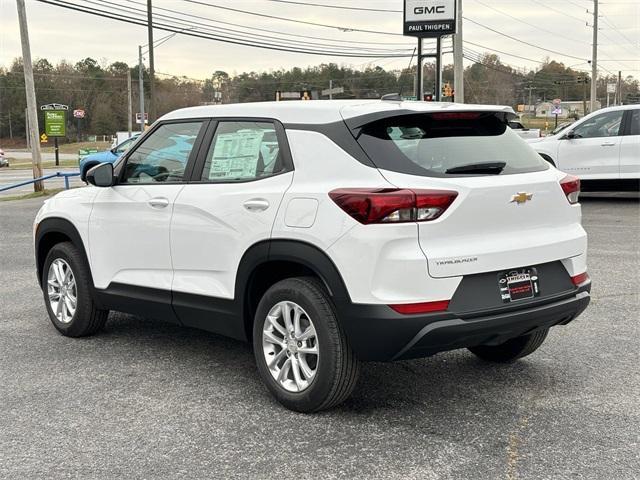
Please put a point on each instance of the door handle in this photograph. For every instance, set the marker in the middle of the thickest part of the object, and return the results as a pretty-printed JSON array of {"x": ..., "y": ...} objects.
[
  {"x": 256, "y": 204},
  {"x": 159, "y": 202},
  {"x": 608, "y": 144}
]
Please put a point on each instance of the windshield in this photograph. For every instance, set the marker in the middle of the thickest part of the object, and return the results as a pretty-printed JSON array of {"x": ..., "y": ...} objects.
[{"x": 440, "y": 144}]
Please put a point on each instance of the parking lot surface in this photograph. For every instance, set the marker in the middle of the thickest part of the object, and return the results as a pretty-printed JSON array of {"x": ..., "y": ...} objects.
[{"x": 145, "y": 399}]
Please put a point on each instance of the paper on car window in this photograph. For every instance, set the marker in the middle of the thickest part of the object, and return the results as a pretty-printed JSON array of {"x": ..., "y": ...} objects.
[{"x": 236, "y": 154}]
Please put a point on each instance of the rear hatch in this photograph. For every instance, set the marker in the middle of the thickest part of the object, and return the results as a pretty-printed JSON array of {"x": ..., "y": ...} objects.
[{"x": 510, "y": 210}]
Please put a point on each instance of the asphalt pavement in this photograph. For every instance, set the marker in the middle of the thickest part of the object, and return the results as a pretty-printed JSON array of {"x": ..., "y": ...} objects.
[{"x": 145, "y": 399}]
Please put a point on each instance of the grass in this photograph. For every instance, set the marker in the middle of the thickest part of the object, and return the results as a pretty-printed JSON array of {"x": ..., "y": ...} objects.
[
  {"x": 26, "y": 164},
  {"x": 26, "y": 196},
  {"x": 75, "y": 146},
  {"x": 544, "y": 124}
]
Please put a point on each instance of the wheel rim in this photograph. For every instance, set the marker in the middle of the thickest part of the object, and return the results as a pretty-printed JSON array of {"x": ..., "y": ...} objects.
[
  {"x": 290, "y": 346},
  {"x": 62, "y": 291}
]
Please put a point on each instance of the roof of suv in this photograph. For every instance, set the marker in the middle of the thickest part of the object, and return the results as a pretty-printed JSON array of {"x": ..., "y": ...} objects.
[{"x": 321, "y": 111}]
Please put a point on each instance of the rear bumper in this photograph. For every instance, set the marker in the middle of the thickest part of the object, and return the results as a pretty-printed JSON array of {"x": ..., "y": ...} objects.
[{"x": 377, "y": 333}]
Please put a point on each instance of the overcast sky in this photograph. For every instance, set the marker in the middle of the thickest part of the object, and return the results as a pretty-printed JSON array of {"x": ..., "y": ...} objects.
[{"x": 57, "y": 33}]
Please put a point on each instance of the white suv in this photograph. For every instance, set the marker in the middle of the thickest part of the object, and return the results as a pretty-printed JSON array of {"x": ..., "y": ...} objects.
[
  {"x": 602, "y": 148},
  {"x": 326, "y": 233}
]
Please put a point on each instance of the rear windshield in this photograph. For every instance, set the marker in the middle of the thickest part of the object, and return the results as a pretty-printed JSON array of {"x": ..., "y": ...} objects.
[{"x": 433, "y": 144}]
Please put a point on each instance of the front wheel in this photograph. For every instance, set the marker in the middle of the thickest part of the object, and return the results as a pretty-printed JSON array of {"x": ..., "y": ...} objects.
[
  {"x": 513, "y": 349},
  {"x": 65, "y": 284},
  {"x": 301, "y": 351}
]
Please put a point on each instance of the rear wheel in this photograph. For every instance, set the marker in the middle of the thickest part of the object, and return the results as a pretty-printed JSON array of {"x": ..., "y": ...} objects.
[
  {"x": 513, "y": 349},
  {"x": 302, "y": 353},
  {"x": 65, "y": 284}
]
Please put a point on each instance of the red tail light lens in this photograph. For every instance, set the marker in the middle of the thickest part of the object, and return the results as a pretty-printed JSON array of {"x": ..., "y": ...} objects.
[
  {"x": 424, "y": 307},
  {"x": 391, "y": 205},
  {"x": 580, "y": 279},
  {"x": 571, "y": 188}
]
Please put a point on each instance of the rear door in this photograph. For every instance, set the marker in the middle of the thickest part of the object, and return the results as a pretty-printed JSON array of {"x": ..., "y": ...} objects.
[
  {"x": 630, "y": 146},
  {"x": 240, "y": 180},
  {"x": 595, "y": 151},
  {"x": 510, "y": 210}
]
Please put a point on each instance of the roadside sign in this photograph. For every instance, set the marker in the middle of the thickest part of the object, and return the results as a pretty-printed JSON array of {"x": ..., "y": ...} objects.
[
  {"x": 296, "y": 95},
  {"x": 557, "y": 111},
  {"x": 611, "y": 88},
  {"x": 78, "y": 113},
  {"x": 55, "y": 123},
  {"x": 520, "y": 107},
  {"x": 139, "y": 118},
  {"x": 54, "y": 106},
  {"x": 44, "y": 138},
  {"x": 332, "y": 91},
  {"x": 429, "y": 18},
  {"x": 409, "y": 97},
  {"x": 556, "y": 101}
]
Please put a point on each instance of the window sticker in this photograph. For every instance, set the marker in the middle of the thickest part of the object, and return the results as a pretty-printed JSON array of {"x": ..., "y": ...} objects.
[{"x": 236, "y": 154}]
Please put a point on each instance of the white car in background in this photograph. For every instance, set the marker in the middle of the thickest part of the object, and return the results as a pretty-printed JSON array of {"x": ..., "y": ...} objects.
[
  {"x": 522, "y": 131},
  {"x": 4, "y": 162},
  {"x": 604, "y": 146}
]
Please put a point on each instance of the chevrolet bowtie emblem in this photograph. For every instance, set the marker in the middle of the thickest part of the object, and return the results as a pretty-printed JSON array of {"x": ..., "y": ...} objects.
[{"x": 521, "y": 197}]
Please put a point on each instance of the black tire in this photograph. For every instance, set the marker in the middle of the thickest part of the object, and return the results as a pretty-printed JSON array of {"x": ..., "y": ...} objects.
[
  {"x": 513, "y": 349},
  {"x": 86, "y": 319},
  {"x": 337, "y": 366}
]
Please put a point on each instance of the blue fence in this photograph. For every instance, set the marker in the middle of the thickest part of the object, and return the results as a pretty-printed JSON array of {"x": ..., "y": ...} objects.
[{"x": 41, "y": 179}]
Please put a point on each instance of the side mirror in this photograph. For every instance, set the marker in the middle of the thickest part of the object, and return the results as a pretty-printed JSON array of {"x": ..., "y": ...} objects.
[
  {"x": 101, "y": 175},
  {"x": 570, "y": 135}
]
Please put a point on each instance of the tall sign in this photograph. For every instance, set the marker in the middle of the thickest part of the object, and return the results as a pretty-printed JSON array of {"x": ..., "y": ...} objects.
[
  {"x": 55, "y": 123},
  {"x": 429, "y": 19}
]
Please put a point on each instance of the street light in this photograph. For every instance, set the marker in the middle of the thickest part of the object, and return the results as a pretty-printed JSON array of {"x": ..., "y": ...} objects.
[{"x": 156, "y": 44}]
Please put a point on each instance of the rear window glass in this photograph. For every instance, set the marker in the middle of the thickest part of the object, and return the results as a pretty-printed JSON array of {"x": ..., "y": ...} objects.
[{"x": 434, "y": 144}]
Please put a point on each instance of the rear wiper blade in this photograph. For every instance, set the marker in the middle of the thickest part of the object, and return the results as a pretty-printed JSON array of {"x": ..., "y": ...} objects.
[{"x": 491, "y": 168}]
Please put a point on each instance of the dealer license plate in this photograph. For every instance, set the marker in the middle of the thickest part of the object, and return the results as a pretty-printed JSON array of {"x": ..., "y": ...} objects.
[{"x": 518, "y": 284}]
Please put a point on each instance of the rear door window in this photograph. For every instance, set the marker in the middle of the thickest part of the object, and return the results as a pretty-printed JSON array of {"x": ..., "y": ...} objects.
[{"x": 434, "y": 144}]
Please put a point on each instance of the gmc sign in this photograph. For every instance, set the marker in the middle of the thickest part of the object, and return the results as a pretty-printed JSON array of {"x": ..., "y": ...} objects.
[{"x": 429, "y": 18}]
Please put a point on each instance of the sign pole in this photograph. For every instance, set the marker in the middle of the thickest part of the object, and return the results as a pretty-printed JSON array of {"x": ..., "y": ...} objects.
[
  {"x": 438, "y": 80},
  {"x": 55, "y": 146},
  {"x": 419, "y": 89}
]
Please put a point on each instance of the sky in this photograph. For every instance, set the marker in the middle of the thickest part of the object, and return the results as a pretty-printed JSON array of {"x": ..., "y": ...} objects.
[{"x": 57, "y": 33}]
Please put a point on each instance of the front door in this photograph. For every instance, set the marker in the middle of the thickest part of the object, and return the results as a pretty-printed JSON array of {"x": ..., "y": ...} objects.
[
  {"x": 129, "y": 224},
  {"x": 594, "y": 152}
]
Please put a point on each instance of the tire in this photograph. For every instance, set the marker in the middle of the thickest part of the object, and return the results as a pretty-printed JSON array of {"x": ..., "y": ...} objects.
[
  {"x": 511, "y": 350},
  {"x": 85, "y": 319},
  {"x": 336, "y": 366}
]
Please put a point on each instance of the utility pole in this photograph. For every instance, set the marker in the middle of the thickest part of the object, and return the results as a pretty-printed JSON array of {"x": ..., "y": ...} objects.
[
  {"x": 32, "y": 108},
  {"x": 330, "y": 89},
  {"x": 129, "y": 103},
  {"x": 152, "y": 89},
  {"x": 594, "y": 58},
  {"x": 584, "y": 96},
  {"x": 458, "y": 67},
  {"x": 619, "y": 89},
  {"x": 419, "y": 90},
  {"x": 530, "y": 88},
  {"x": 141, "y": 87}
]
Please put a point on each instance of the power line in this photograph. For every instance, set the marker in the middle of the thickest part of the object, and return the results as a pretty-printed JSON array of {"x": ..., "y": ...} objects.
[
  {"x": 342, "y": 7},
  {"x": 220, "y": 38},
  {"x": 581, "y": 20}
]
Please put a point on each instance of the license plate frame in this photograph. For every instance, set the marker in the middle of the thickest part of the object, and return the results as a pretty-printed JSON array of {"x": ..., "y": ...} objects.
[{"x": 519, "y": 284}]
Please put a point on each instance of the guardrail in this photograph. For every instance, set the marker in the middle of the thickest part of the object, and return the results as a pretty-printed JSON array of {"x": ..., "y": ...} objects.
[{"x": 41, "y": 179}]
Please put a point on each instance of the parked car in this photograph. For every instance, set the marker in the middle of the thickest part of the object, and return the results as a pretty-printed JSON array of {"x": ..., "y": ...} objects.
[
  {"x": 109, "y": 156},
  {"x": 4, "y": 161},
  {"x": 603, "y": 148},
  {"x": 522, "y": 131},
  {"x": 325, "y": 233}
]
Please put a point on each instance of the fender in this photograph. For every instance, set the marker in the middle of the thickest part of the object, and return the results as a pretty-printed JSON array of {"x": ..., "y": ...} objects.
[{"x": 50, "y": 231}]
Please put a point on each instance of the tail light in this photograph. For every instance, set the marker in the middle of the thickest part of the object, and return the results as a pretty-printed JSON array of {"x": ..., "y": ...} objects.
[
  {"x": 571, "y": 188},
  {"x": 580, "y": 279},
  {"x": 392, "y": 205},
  {"x": 424, "y": 307}
]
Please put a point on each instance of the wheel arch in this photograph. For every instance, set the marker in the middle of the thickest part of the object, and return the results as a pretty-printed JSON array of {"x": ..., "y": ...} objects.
[
  {"x": 52, "y": 231},
  {"x": 268, "y": 262}
]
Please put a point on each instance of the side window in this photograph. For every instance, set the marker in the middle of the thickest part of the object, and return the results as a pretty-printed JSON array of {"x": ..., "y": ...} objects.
[
  {"x": 603, "y": 125},
  {"x": 163, "y": 156},
  {"x": 635, "y": 122},
  {"x": 243, "y": 151}
]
